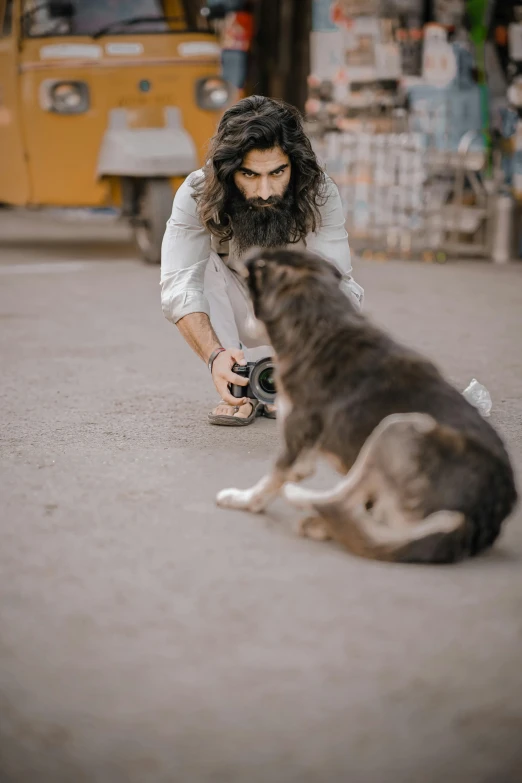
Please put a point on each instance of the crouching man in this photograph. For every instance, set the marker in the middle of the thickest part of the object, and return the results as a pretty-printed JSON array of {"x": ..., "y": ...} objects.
[{"x": 261, "y": 186}]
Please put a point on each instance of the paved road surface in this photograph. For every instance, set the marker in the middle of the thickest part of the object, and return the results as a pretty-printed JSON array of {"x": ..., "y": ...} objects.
[{"x": 149, "y": 637}]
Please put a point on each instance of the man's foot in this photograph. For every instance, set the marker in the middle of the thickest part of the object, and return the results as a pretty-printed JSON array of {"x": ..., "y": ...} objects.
[{"x": 235, "y": 415}]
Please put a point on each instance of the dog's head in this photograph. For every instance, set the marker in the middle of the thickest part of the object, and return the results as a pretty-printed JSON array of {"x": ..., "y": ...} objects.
[{"x": 275, "y": 276}]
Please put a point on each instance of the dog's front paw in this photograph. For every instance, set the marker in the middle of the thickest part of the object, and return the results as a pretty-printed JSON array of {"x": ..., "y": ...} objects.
[
  {"x": 230, "y": 498},
  {"x": 241, "y": 499}
]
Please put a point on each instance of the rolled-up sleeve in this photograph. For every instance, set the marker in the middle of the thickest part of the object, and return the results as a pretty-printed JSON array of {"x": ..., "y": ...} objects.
[
  {"x": 331, "y": 240},
  {"x": 185, "y": 252}
]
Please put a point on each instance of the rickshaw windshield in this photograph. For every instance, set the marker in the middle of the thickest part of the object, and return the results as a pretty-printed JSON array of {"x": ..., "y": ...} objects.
[{"x": 113, "y": 17}]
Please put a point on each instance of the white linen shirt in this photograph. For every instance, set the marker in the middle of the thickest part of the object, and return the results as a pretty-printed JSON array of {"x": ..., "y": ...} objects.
[{"x": 187, "y": 246}]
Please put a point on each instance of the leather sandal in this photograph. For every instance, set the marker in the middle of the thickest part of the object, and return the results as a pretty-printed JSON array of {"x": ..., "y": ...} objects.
[{"x": 233, "y": 420}]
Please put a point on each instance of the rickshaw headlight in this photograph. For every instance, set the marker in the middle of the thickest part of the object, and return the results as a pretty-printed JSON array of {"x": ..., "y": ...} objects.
[
  {"x": 68, "y": 97},
  {"x": 213, "y": 93}
]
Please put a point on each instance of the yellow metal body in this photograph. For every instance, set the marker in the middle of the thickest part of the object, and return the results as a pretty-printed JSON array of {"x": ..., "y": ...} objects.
[{"x": 47, "y": 158}]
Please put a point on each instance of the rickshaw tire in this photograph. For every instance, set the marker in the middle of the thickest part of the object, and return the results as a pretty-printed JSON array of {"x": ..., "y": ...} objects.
[{"x": 155, "y": 209}]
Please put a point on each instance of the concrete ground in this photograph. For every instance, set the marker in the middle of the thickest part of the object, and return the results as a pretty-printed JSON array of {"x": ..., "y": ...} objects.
[{"x": 147, "y": 636}]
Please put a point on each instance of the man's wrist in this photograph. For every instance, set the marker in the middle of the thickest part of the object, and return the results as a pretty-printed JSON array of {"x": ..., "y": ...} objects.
[{"x": 215, "y": 353}]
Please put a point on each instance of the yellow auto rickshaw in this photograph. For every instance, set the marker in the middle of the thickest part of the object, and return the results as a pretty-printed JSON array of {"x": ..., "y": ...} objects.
[{"x": 106, "y": 103}]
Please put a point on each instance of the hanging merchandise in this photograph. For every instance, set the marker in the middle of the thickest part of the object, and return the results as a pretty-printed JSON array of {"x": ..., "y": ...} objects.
[
  {"x": 515, "y": 40},
  {"x": 439, "y": 63},
  {"x": 448, "y": 12},
  {"x": 237, "y": 35},
  {"x": 350, "y": 9},
  {"x": 237, "y": 31},
  {"x": 399, "y": 119},
  {"x": 356, "y": 62},
  {"x": 409, "y": 40},
  {"x": 236, "y": 27}
]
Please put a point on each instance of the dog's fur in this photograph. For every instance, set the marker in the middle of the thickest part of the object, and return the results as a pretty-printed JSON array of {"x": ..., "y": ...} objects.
[{"x": 428, "y": 479}]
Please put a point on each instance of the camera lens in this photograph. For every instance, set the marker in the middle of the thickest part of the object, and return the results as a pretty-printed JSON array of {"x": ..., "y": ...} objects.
[
  {"x": 266, "y": 381},
  {"x": 262, "y": 381}
]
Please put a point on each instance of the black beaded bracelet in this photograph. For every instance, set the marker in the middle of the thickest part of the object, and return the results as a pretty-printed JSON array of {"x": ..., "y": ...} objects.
[{"x": 213, "y": 355}]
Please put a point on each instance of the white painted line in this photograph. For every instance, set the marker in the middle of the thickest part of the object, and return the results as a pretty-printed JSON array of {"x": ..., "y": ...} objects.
[{"x": 43, "y": 268}]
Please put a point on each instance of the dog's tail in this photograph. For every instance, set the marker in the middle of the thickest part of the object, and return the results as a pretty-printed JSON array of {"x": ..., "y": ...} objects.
[
  {"x": 369, "y": 518},
  {"x": 436, "y": 539}
]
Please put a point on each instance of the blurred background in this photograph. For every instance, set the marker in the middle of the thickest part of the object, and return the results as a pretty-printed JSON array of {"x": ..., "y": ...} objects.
[{"x": 413, "y": 106}]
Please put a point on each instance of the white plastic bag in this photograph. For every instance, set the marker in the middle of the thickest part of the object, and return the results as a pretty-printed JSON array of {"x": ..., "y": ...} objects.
[{"x": 478, "y": 395}]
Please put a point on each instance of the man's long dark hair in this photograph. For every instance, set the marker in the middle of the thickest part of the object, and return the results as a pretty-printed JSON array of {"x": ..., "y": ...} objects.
[{"x": 259, "y": 123}]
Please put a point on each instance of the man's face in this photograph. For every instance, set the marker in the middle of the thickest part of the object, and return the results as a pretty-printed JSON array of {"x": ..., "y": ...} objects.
[
  {"x": 261, "y": 203},
  {"x": 262, "y": 175}
]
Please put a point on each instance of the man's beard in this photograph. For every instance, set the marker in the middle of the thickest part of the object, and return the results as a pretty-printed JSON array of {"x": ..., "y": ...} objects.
[{"x": 255, "y": 225}]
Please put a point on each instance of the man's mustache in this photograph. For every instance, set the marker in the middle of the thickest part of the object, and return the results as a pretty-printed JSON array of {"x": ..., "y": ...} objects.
[{"x": 272, "y": 201}]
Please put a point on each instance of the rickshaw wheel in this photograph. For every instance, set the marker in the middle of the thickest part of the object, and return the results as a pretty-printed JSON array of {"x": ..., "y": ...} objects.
[{"x": 155, "y": 206}]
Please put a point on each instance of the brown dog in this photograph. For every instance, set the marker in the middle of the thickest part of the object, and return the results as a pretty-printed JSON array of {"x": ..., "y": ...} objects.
[{"x": 428, "y": 479}]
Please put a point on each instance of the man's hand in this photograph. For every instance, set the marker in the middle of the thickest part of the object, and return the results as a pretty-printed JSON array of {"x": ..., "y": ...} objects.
[
  {"x": 198, "y": 332},
  {"x": 222, "y": 375}
]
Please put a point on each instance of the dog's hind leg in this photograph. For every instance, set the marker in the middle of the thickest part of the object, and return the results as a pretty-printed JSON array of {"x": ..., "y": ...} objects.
[
  {"x": 305, "y": 498},
  {"x": 376, "y": 511},
  {"x": 353, "y": 486},
  {"x": 356, "y": 481}
]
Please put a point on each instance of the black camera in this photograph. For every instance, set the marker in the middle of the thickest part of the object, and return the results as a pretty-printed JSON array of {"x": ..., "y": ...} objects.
[{"x": 261, "y": 381}]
